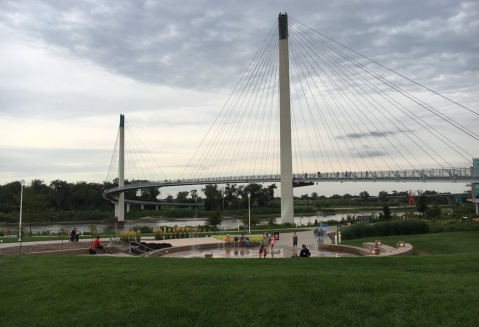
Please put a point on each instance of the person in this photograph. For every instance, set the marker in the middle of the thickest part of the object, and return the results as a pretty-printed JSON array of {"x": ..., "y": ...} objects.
[
  {"x": 236, "y": 240},
  {"x": 77, "y": 234},
  {"x": 316, "y": 222},
  {"x": 295, "y": 244},
  {"x": 228, "y": 240},
  {"x": 304, "y": 252},
  {"x": 97, "y": 245},
  {"x": 73, "y": 235},
  {"x": 242, "y": 240},
  {"x": 248, "y": 243},
  {"x": 272, "y": 243},
  {"x": 7, "y": 232},
  {"x": 262, "y": 251}
]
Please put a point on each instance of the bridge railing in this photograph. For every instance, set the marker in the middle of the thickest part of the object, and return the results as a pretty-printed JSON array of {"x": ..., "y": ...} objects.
[{"x": 412, "y": 174}]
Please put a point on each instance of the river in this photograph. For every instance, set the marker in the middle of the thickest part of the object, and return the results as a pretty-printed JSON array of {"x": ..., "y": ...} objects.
[{"x": 228, "y": 223}]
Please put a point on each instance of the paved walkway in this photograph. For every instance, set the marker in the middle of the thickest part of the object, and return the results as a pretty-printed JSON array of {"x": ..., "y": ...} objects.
[{"x": 283, "y": 247}]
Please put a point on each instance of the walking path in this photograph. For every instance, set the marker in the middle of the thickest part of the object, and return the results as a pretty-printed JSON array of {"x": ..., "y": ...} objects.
[{"x": 283, "y": 247}]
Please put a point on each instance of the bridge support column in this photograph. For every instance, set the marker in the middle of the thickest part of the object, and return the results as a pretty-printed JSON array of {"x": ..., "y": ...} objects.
[
  {"x": 287, "y": 204},
  {"x": 116, "y": 208},
  {"x": 127, "y": 207},
  {"x": 121, "y": 173}
]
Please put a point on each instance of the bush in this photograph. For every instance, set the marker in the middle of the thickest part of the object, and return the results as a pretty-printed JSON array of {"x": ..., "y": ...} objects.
[
  {"x": 443, "y": 226},
  {"x": 130, "y": 236},
  {"x": 405, "y": 227},
  {"x": 143, "y": 229}
]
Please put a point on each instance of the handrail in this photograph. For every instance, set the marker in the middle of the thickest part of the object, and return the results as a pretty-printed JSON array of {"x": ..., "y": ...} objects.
[{"x": 137, "y": 247}]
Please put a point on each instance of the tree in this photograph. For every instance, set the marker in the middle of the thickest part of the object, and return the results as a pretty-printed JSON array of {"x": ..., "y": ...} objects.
[
  {"x": 383, "y": 196},
  {"x": 194, "y": 195},
  {"x": 314, "y": 196},
  {"x": 386, "y": 213},
  {"x": 213, "y": 197},
  {"x": 421, "y": 204},
  {"x": 254, "y": 220},
  {"x": 364, "y": 195},
  {"x": 215, "y": 218},
  {"x": 181, "y": 197},
  {"x": 434, "y": 211}
]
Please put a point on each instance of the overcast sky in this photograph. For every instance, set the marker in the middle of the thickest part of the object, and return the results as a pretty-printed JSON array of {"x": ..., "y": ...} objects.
[{"x": 68, "y": 69}]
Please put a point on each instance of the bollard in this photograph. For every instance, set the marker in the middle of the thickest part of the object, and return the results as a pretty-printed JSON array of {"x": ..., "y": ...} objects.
[
  {"x": 335, "y": 239},
  {"x": 339, "y": 237}
]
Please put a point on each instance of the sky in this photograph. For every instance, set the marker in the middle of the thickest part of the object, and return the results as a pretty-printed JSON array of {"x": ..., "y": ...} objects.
[{"x": 68, "y": 69}]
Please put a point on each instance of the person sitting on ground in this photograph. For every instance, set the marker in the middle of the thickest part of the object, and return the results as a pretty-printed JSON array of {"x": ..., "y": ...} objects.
[
  {"x": 228, "y": 240},
  {"x": 242, "y": 240},
  {"x": 304, "y": 252},
  {"x": 236, "y": 240},
  {"x": 248, "y": 243},
  {"x": 262, "y": 251},
  {"x": 97, "y": 245}
]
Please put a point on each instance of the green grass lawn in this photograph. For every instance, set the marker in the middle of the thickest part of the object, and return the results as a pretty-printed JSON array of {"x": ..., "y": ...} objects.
[
  {"x": 441, "y": 243},
  {"x": 439, "y": 290}
]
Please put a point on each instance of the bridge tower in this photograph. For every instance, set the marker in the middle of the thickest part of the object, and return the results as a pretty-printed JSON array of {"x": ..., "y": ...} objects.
[
  {"x": 120, "y": 205},
  {"x": 287, "y": 204}
]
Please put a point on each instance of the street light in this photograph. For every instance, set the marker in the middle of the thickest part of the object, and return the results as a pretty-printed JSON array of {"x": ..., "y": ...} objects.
[
  {"x": 22, "y": 183},
  {"x": 249, "y": 213}
]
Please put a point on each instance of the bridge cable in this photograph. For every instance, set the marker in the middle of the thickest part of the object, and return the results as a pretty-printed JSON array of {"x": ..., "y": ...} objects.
[
  {"x": 401, "y": 91},
  {"x": 383, "y": 95},
  {"x": 296, "y": 56},
  {"x": 387, "y": 68},
  {"x": 341, "y": 107},
  {"x": 366, "y": 116},
  {"x": 227, "y": 101},
  {"x": 300, "y": 62}
]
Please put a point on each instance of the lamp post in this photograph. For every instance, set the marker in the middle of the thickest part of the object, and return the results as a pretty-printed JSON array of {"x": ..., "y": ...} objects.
[
  {"x": 22, "y": 183},
  {"x": 249, "y": 213}
]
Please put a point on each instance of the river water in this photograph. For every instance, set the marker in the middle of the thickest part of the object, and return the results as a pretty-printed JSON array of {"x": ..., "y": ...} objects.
[{"x": 228, "y": 223}]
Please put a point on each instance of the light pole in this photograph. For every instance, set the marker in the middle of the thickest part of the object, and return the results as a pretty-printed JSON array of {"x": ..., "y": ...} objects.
[
  {"x": 22, "y": 182},
  {"x": 249, "y": 213}
]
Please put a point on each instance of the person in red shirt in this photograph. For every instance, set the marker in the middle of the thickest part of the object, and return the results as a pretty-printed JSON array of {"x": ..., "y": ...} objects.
[{"x": 97, "y": 245}]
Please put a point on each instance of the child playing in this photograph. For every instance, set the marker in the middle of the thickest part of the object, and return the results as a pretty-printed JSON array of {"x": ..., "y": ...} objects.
[
  {"x": 248, "y": 243},
  {"x": 262, "y": 251}
]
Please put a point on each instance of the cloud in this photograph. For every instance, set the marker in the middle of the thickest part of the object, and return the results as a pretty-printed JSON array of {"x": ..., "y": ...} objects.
[{"x": 69, "y": 68}]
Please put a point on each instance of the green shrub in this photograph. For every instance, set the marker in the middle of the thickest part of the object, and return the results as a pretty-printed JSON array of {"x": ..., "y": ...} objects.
[
  {"x": 442, "y": 226},
  {"x": 404, "y": 227}
]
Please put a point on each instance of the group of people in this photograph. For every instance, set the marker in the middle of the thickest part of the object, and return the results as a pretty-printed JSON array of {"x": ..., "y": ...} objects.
[
  {"x": 74, "y": 235},
  {"x": 241, "y": 241},
  {"x": 303, "y": 253},
  {"x": 304, "y": 250}
]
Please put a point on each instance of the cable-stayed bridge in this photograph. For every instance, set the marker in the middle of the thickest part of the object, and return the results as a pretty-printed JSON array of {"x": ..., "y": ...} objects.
[{"x": 308, "y": 110}]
